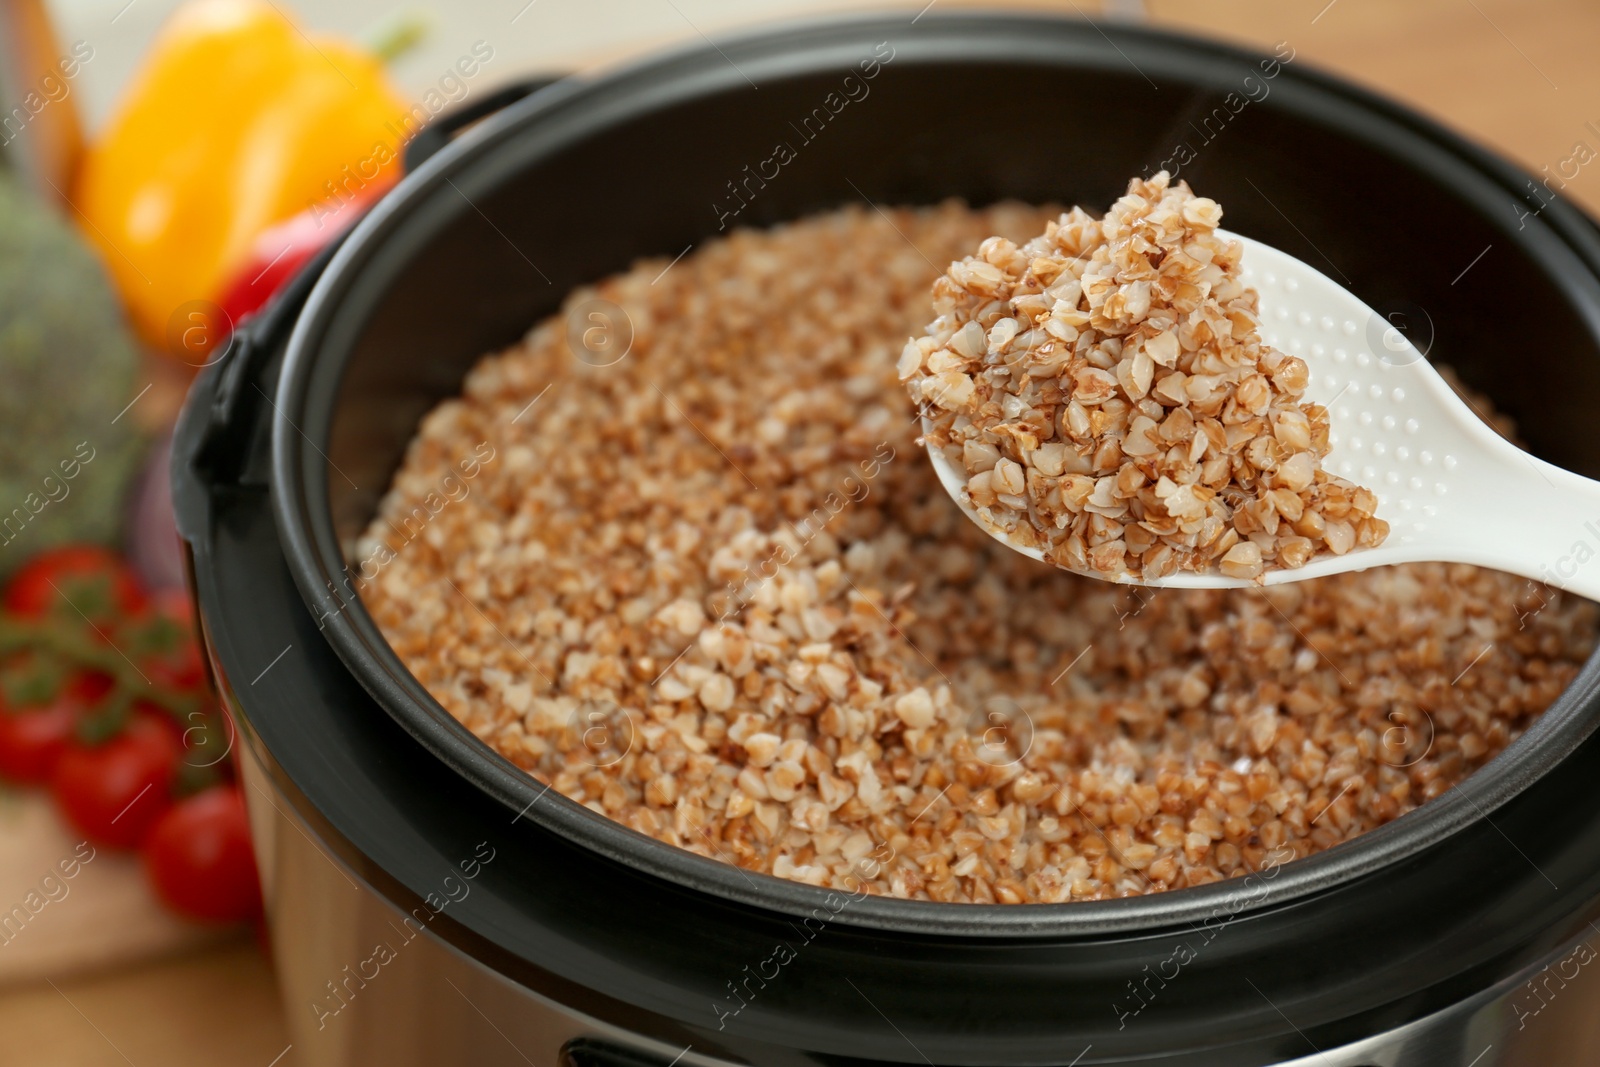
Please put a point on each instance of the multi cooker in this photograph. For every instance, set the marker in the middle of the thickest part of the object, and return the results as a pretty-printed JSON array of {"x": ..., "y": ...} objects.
[{"x": 430, "y": 903}]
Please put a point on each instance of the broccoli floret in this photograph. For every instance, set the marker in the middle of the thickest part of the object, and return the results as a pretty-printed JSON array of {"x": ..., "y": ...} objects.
[{"x": 67, "y": 370}]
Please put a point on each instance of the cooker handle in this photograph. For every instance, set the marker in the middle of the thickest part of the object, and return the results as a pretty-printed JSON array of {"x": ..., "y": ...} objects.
[
  {"x": 442, "y": 130},
  {"x": 215, "y": 443}
]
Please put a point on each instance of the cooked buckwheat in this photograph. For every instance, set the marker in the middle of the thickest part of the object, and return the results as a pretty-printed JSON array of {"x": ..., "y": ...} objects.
[
  {"x": 715, "y": 592},
  {"x": 1107, "y": 391}
]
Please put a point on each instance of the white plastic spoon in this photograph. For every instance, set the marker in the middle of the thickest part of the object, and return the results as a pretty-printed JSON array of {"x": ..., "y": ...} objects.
[{"x": 1451, "y": 489}]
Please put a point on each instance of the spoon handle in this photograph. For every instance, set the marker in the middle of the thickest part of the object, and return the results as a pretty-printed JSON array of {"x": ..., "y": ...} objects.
[{"x": 1514, "y": 512}]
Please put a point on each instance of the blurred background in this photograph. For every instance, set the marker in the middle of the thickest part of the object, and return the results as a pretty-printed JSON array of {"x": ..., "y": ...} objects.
[
  {"x": 1517, "y": 76},
  {"x": 117, "y": 961}
]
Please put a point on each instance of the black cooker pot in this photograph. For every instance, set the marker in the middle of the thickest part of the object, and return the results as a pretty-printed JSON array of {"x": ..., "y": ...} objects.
[{"x": 431, "y": 903}]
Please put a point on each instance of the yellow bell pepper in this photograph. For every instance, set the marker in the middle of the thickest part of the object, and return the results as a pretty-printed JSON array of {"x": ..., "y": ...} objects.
[{"x": 237, "y": 121}]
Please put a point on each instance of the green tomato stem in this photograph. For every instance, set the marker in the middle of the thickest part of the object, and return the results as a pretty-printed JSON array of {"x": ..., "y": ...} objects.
[{"x": 49, "y": 636}]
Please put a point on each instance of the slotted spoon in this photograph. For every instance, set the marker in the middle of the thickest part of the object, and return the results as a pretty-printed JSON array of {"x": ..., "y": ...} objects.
[{"x": 1451, "y": 488}]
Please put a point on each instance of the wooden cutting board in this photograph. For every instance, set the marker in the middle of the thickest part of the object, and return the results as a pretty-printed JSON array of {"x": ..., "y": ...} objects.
[{"x": 68, "y": 908}]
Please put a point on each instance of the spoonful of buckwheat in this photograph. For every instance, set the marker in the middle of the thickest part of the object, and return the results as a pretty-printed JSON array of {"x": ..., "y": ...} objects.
[{"x": 1147, "y": 398}]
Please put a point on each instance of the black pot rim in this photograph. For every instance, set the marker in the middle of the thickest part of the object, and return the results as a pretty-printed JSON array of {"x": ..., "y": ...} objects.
[{"x": 300, "y": 498}]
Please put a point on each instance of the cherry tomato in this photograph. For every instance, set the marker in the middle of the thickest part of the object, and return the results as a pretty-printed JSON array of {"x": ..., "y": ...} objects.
[
  {"x": 89, "y": 687},
  {"x": 95, "y": 579},
  {"x": 33, "y": 739},
  {"x": 180, "y": 667},
  {"x": 114, "y": 792},
  {"x": 162, "y": 640},
  {"x": 174, "y": 604},
  {"x": 199, "y": 859}
]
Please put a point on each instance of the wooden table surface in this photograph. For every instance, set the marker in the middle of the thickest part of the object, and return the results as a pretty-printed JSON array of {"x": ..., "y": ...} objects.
[{"x": 1515, "y": 76}]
